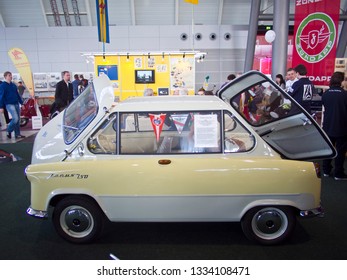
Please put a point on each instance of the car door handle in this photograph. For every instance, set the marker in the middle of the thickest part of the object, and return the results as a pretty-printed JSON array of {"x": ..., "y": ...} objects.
[{"x": 164, "y": 161}]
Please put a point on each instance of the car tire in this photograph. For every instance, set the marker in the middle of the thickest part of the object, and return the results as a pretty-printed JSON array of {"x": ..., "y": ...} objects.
[
  {"x": 23, "y": 121},
  {"x": 78, "y": 219},
  {"x": 269, "y": 225}
]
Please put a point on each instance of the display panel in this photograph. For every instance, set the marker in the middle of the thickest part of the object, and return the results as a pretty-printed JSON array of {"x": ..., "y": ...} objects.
[
  {"x": 163, "y": 91},
  {"x": 144, "y": 76},
  {"x": 110, "y": 70}
]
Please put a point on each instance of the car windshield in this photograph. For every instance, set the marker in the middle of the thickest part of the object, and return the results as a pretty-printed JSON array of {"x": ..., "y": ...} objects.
[{"x": 79, "y": 114}]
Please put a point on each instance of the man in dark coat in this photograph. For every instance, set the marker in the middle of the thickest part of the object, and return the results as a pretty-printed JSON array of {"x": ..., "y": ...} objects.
[
  {"x": 302, "y": 90},
  {"x": 334, "y": 101},
  {"x": 63, "y": 92}
]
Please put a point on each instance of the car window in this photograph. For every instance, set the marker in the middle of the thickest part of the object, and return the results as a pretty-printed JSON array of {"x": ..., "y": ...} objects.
[
  {"x": 79, "y": 114},
  {"x": 170, "y": 132},
  {"x": 104, "y": 139},
  {"x": 236, "y": 137},
  {"x": 263, "y": 103}
]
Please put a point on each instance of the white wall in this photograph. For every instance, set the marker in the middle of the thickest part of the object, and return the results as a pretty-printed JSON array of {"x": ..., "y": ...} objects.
[{"x": 54, "y": 49}]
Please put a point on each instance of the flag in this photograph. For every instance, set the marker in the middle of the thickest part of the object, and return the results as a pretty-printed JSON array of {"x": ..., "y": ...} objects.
[
  {"x": 102, "y": 19},
  {"x": 195, "y": 2},
  {"x": 180, "y": 121},
  {"x": 157, "y": 122},
  {"x": 21, "y": 62}
]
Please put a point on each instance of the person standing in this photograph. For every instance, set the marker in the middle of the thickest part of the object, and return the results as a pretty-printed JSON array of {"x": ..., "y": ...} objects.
[
  {"x": 75, "y": 83},
  {"x": 334, "y": 101},
  {"x": 10, "y": 100},
  {"x": 63, "y": 92},
  {"x": 302, "y": 90},
  {"x": 280, "y": 81},
  {"x": 290, "y": 78},
  {"x": 148, "y": 92},
  {"x": 21, "y": 88}
]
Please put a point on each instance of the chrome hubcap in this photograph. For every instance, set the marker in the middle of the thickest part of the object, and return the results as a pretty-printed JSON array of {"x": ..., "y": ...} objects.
[{"x": 269, "y": 223}]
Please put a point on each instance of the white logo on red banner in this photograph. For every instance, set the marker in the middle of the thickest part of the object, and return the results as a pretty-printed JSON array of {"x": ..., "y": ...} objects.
[{"x": 157, "y": 122}]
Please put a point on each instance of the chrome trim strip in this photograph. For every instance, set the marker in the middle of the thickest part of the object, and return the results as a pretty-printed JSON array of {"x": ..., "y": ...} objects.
[
  {"x": 319, "y": 211},
  {"x": 37, "y": 213}
]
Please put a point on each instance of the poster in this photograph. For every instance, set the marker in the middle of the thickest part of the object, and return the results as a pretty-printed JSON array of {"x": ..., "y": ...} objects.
[
  {"x": 182, "y": 73},
  {"x": 205, "y": 131}
]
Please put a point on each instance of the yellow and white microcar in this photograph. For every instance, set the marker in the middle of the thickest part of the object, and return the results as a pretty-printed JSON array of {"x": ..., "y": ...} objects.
[{"x": 245, "y": 157}]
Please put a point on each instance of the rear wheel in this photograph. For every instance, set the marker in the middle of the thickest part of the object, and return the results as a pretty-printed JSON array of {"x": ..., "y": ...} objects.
[
  {"x": 78, "y": 219},
  {"x": 23, "y": 121},
  {"x": 269, "y": 225}
]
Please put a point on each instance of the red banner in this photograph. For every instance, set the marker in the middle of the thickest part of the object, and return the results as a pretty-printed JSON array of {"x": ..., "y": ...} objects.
[
  {"x": 157, "y": 122},
  {"x": 315, "y": 34}
]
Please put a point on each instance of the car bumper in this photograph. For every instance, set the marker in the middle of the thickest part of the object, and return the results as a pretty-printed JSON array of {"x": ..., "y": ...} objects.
[
  {"x": 312, "y": 212},
  {"x": 37, "y": 213}
]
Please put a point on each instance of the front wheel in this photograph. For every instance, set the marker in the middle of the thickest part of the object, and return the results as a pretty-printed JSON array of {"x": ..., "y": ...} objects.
[
  {"x": 268, "y": 225},
  {"x": 78, "y": 219}
]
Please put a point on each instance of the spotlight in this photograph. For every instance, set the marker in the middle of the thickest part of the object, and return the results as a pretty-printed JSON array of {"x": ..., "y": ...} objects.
[
  {"x": 213, "y": 36},
  {"x": 184, "y": 55},
  {"x": 162, "y": 56},
  {"x": 198, "y": 36},
  {"x": 127, "y": 57},
  {"x": 184, "y": 36},
  {"x": 227, "y": 36},
  {"x": 149, "y": 55}
]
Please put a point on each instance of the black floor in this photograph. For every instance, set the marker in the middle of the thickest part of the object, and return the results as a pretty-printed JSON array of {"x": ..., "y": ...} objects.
[{"x": 23, "y": 237}]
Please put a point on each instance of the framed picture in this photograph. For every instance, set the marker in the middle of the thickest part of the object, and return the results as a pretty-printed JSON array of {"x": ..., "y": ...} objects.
[
  {"x": 163, "y": 91},
  {"x": 110, "y": 70}
]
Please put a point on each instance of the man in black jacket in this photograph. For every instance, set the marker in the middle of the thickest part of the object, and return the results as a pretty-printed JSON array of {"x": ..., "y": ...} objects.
[
  {"x": 302, "y": 90},
  {"x": 63, "y": 92},
  {"x": 334, "y": 101}
]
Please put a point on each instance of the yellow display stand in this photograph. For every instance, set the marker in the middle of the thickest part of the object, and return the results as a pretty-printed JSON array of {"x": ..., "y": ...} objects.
[{"x": 170, "y": 71}]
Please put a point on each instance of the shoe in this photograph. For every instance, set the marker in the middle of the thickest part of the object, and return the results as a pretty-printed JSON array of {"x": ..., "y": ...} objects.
[
  {"x": 20, "y": 136},
  {"x": 8, "y": 134},
  {"x": 341, "y": 177},
  {"x": 326, "y": 174}
]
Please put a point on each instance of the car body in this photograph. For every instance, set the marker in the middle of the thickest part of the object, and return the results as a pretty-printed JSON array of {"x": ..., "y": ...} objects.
[{"x": 179, "y": 159}]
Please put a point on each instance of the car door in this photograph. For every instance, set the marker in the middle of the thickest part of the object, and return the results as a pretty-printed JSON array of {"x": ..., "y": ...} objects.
[
  {"x": 60, "y": 136},
  {"x": 277, "y": 118}
]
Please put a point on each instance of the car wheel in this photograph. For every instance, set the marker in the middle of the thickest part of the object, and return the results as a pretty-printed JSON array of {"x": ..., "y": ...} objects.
[
  {"x": 23, "y": 121},
  {"x": 78, "y": 219},
  {"x": 268, "y": 225}
]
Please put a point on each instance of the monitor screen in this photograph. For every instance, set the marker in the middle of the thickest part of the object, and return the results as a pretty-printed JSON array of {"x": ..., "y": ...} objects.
[{"x": 144, "y": 76}]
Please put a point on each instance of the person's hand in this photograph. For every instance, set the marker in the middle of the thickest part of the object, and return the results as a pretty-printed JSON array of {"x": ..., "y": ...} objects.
[{"x": 1, "y": 110}]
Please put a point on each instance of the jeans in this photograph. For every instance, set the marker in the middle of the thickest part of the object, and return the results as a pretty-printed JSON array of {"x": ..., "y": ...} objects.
[{"x": 14, "y": 124}]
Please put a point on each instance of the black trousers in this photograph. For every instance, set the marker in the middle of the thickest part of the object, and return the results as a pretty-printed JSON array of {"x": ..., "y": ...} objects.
[
  {"x": 7, "y": 118},
  {"x": 340, "y": 144}
]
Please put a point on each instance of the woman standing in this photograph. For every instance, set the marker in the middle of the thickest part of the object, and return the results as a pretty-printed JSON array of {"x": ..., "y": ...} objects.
[{"x": 280, "y": 81}]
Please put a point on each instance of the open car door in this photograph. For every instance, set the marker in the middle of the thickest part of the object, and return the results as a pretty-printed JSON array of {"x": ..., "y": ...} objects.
[
  {"x": 277, "y": 117},
  {"x": 62, "y": 134}
]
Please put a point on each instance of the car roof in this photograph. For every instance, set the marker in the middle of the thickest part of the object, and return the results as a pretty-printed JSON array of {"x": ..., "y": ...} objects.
[{"x": 172, "y": 103}]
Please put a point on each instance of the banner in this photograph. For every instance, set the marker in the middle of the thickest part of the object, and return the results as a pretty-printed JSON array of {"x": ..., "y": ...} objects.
[
  {"x": 157, "y": 122},
  {"x": 102, "y": 20},
  {"x": 22, "y": 65},
  {"x": 315, "y": 35},
  {"x": 179, "y": 121}
]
